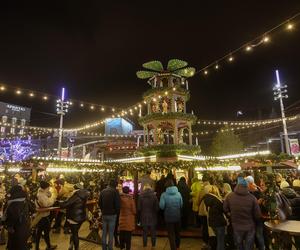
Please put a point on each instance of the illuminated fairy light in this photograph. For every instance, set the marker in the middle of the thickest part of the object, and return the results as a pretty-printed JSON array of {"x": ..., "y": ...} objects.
[
  {"x": 102, "y": 109},
  {"x": 18, "y": 92},
  {"x": 290, "y": 26},
  {"x": 45, "y": 98},
  {"x": 81, "y": 105},
  {"x": 74, "y": 170},
  {"x": 192, "y": 158},
  {"x": 92, "y": 107},
  {"x": 247, "y": 123},
  {"x": 216, "y": 66},
  {"x": 248, "y": 48},
  {"x": 205, "y": 72},
  {"x": 2, "y": 88},
  {"x": 135, "y": 159},
  {"x": 266, "y": 39},
  {"x": 235, "y": 156},
  {"x": 31, "y": 94},
  {"x": 219, "y": 168},
  {"x": 230, "y": 59}
]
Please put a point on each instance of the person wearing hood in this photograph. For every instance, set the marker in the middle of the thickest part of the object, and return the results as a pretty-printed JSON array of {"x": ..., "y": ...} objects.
[
  {"x": 185, "y": 191},
  {"x": 16, "y": 218},
  {"x": 148, "y": 208},
  {"x": 127, "y": 218},
  {"x": 171, "y": 203},
  {"x": 44, "y": 199},
  {"x": 244, "y": 212},
  {"x": 76, "y": 212},
  {"x": 216, "y": 218}
]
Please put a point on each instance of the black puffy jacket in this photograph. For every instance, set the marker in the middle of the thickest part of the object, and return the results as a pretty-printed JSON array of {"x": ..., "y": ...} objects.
[{"x": 76, "y": 205}]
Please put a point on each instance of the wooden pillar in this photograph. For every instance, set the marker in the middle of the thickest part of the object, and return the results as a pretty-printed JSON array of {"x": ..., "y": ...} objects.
[
  {"x": 175, "y": 133},
  {"x": 190, "y": 135}
]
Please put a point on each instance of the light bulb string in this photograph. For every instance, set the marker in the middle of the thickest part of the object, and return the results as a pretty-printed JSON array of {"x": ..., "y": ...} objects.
[{"x": 257, "y": 41}]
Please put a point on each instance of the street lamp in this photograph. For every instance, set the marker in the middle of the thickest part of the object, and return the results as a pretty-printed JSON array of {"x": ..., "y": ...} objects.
[
  {"x": 61, "y": 109},
  {"x": 279, "y": 94}
]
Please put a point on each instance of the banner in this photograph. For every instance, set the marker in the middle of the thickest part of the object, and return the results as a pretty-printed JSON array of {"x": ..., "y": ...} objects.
[{"x": 294, "y": 147}]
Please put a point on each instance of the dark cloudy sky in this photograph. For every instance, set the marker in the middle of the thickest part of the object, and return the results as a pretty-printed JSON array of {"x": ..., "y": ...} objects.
[{"x": 95, "y": 47}]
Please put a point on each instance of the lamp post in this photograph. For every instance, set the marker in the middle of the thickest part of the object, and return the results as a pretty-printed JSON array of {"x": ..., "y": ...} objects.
[
  {"x": 279, "y": 94},
  {"x": 61, "y": 109}
]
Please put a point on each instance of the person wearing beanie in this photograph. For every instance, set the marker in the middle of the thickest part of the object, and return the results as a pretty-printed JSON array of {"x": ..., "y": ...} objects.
[
  {"x": 296, "y": 186},
  {"x": 44, "y": 199},
  {"x": 284, "y": 184},
  {"x": 244, "y": 211},
  {"x": 126, "y": 218},
  {"x": 76, "y": 212}
]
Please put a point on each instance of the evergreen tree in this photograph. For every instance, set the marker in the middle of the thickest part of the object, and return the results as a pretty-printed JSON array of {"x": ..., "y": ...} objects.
[{"x": 226, "y": 143}]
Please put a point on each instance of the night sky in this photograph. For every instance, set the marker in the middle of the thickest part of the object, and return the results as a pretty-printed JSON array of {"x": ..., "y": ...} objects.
[{"x": 94, "y": 49}]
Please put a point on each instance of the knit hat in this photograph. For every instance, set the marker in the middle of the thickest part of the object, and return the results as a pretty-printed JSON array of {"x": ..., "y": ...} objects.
[
  {"x": 126, "y": 190},
  {"x": 242, "y": 182},
  {"x": 249, "y": 179},
  {"x": 284, "y": 184},
  {"x": 44, "y": 185},
  {"x": 78, "y": 185},
  {"x": 296, "y": 183}
]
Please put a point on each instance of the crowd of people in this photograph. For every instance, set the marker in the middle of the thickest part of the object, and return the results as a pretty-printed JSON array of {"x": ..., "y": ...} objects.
[{"x": 230, "y": 209}]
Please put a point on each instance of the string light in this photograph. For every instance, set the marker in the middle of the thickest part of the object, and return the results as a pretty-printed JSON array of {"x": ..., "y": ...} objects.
[
  {"x": 205, "y": 72},
  {"x": 31, "y": 94},
  {"x": 2, "y": 88},
  {"x": 266, "y": 39},
  {"x": 290, "y": 26},
  {"x": 216, "y": 66},
  {"x": 92, "y": 107},
  {"x": 102, "y": 109},
  {"x": 18, "y": 92},
  {"x": 261, "y": 39},
  {"x": 45, "y": 98},
  {"x": 248, "y": 48}
]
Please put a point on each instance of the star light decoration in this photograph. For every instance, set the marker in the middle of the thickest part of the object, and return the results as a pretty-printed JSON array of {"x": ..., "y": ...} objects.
[{"x": 175, "y": 66}]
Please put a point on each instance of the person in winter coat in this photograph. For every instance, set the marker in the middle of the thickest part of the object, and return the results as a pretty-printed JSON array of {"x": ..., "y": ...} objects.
[
  {"x": 171, "y": 203},
  {"x": 127, "y": 218},
  {"x": 244, "y": 212},
  {"x": 148, "y": 208},
  {"x": 294, "y": 199},
  {"x": 259, "y": 228},
  {"x": 185, "y": 191},
  {"x": 17, "y": 220},
  {"x": 76, "y": 212},
  {"x": 216, "y": 219},
  {"x": 109, "y": 203},
  {"x": 196, "y": 188},
  {"x": 202, "y": 213},
  {"x": 44, "y": 199}
]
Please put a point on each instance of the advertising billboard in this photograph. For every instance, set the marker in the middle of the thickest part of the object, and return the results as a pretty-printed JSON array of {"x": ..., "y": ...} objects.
[{"x": 12, "y": 110}]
